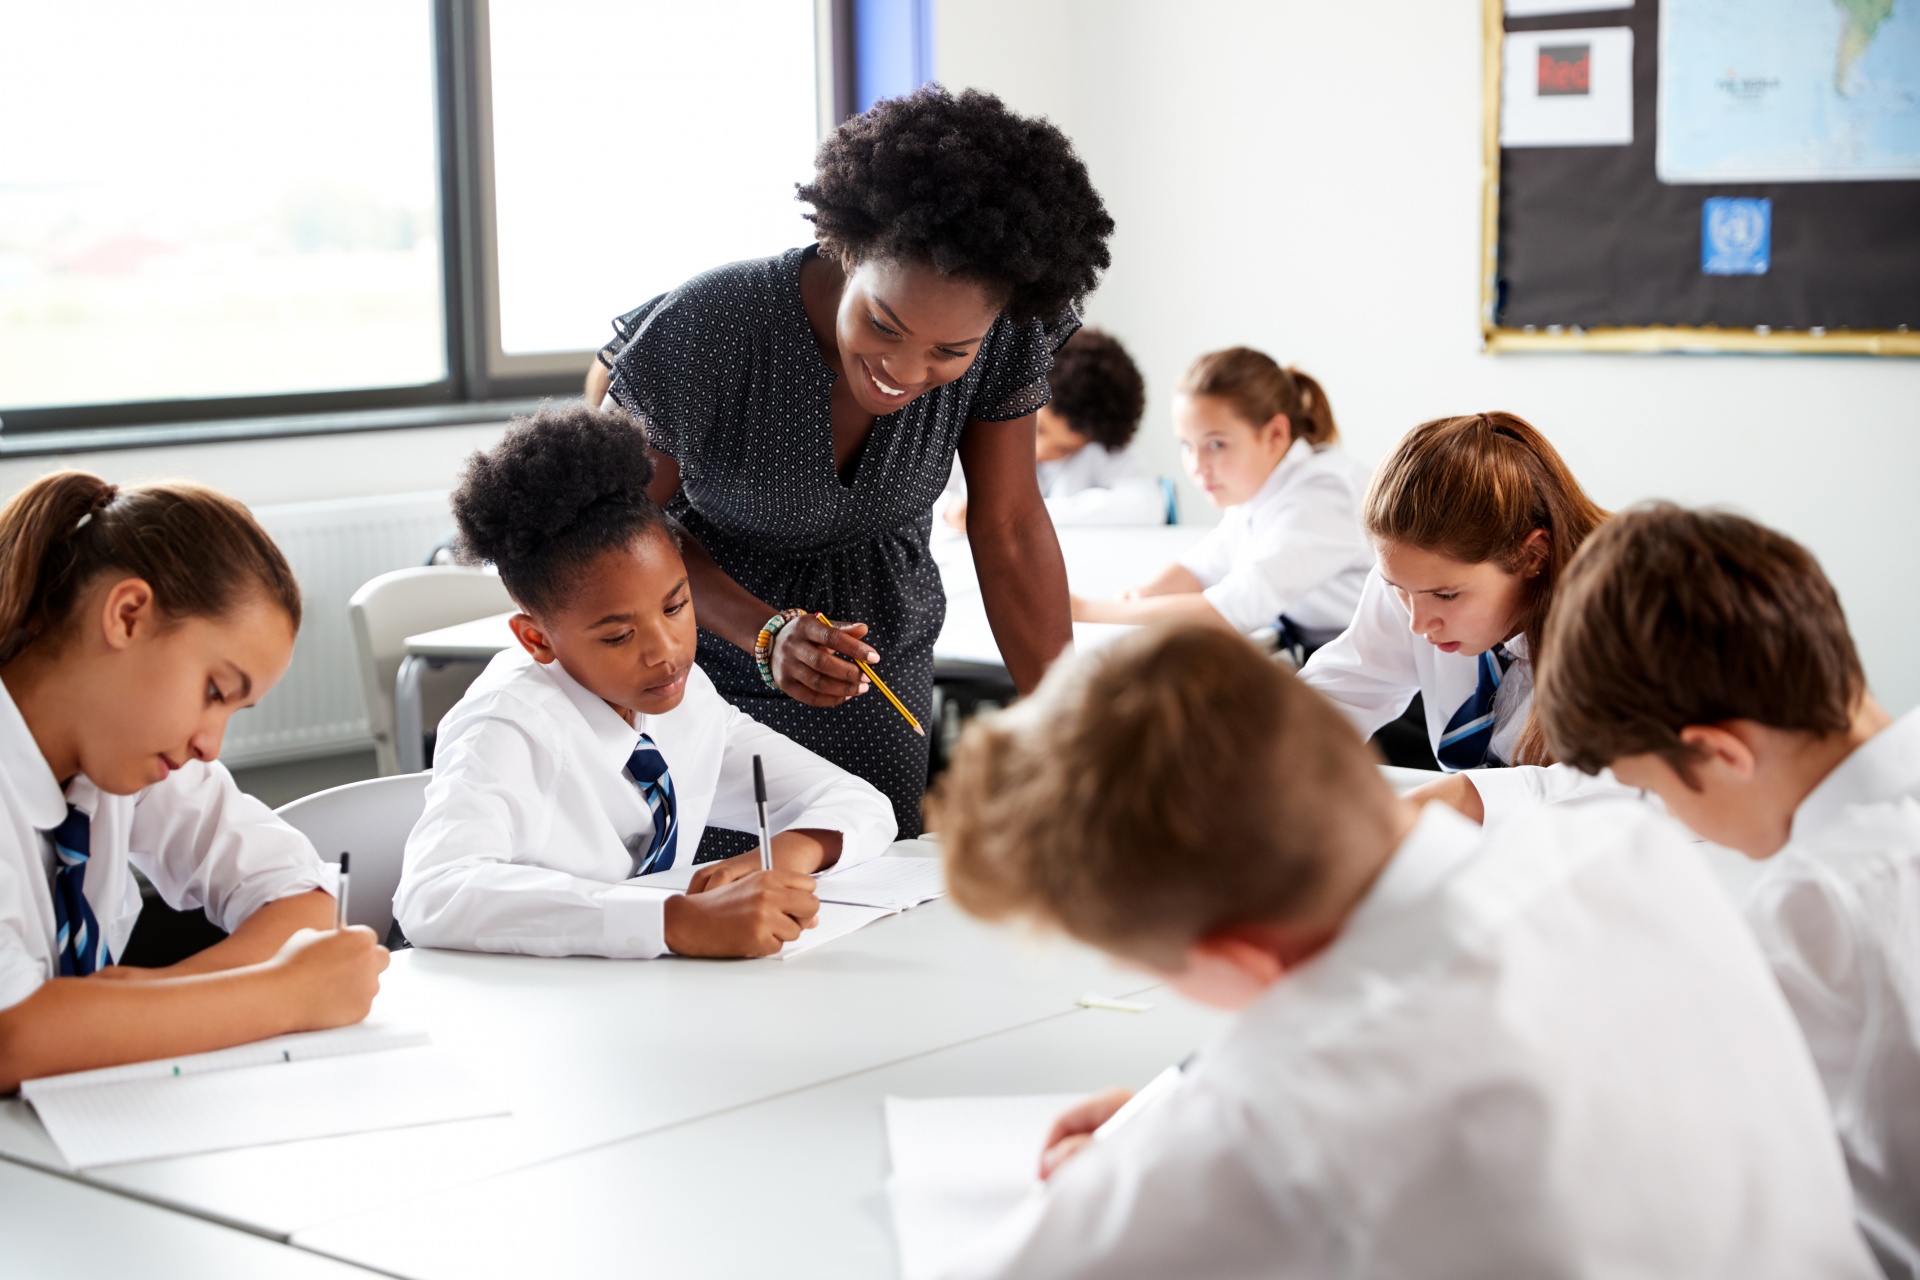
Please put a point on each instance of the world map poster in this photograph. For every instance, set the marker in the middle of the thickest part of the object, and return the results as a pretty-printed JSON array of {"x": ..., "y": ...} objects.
[{"x": 1788, "y": 91}]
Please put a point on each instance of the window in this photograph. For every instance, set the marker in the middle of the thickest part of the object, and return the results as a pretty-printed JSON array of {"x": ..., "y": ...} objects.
[{"x": 217, "y": 198}]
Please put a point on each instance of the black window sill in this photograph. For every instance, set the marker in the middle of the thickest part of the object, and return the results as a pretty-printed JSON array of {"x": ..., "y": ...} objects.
[{"x": 29, "y": 444}]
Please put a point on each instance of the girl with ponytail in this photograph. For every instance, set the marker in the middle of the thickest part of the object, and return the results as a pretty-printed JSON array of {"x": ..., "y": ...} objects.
[
  {"x": 1474, "y": 520},
  {"x": 133, "y": 624},
  {"x": 1289, "y": 554}
]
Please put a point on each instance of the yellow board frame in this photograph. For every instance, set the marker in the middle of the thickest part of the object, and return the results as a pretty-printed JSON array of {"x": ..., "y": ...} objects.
[{"x": 1501, "y": 340}]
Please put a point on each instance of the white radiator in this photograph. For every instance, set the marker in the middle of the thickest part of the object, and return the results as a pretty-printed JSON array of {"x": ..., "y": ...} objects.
[{"x": 334, "y": 547}]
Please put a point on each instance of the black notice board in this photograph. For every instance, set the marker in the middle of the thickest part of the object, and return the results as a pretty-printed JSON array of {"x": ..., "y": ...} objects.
[{"x": 1590, "y": 249}]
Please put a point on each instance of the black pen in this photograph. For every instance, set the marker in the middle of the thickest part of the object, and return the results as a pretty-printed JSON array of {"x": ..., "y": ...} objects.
[
  {"x": 340, "y": 899},
  {"x": 760, "y": 803}
]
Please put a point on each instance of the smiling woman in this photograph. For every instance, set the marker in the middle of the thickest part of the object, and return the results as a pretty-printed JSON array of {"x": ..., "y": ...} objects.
[{"x": 805, "y": 410}]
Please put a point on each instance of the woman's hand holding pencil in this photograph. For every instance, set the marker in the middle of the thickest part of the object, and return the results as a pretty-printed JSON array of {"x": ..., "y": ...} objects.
[{"x": 880, "y": 684}]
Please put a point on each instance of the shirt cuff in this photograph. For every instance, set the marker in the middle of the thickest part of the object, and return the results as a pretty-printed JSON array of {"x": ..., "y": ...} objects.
[
  {"x": 635, "y": 920},
  {"x": 1243, "y": 609}
]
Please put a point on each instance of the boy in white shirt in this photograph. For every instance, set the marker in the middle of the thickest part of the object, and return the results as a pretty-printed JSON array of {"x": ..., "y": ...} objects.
[
  {"x": 1087, "y": 474},
  {"x": 597, "y": 752},
  {"x": 1548, "y": 1050},
  {"x": 1706, "y": 658}
]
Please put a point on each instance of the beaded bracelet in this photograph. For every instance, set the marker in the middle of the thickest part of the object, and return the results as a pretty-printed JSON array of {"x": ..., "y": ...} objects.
[{"x": 763, "y": 643}]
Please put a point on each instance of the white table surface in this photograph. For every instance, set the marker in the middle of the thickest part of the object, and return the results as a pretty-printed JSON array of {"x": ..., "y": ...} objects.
[
  {"x": 792, "y": 1187},
  {"x": 55, "y": 1227}
]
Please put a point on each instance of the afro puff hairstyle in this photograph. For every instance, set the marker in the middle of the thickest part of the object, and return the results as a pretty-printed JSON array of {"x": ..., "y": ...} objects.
[
  {"x": 1098, "y": 389},
  {"x": 970, "y": 188},
  {"x": 560, "y": 488}
]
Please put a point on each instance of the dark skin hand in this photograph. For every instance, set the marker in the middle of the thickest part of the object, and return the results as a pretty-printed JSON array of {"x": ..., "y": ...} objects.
[{"x": 891, "y": 333}]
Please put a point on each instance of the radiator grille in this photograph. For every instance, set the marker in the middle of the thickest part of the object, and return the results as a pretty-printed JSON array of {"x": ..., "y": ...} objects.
[{"x": 334, "y": 547}]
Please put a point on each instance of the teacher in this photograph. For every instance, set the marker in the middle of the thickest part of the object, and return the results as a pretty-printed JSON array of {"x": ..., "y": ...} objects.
[{"x": 805, "y": 410}]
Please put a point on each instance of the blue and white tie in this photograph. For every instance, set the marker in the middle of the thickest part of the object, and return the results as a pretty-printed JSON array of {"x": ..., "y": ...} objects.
[
  {"x": 1468, "y": 740},
  {"x": 648, "y": 769},
  {"x": 83, "y": 948}
]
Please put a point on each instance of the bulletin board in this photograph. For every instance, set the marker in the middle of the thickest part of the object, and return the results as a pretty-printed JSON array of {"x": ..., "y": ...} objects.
[{"x": 1778, "y": 210}]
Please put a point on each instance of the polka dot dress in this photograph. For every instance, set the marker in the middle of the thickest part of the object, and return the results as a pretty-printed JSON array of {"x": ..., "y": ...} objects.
[{"x": 727, "y": 376}]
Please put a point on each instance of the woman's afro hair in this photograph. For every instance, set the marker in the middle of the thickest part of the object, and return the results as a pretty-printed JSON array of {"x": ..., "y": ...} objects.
[
  {"x": 560, "y": 488},
  {"x": 970, "y": 188},
  {"x": 1098, "y": 389}
]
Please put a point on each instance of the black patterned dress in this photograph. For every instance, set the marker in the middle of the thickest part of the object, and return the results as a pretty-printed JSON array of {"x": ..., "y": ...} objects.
[{"x": 725, "y": 372}]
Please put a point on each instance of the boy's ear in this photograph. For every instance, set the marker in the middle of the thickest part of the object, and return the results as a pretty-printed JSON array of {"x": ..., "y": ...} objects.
[
  {"x": 127, "y": 612},
  {"x": 1723, "y": 747},
  {"x": 1233, "y": 950},
  {"x": 532, "y": 638}
]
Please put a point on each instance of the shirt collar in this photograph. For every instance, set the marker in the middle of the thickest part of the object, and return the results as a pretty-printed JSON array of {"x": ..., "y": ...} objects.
[
  {"x": 1441, "y": 841},
  {"x": 1884, "y": 767},
  {"x": 26, "y": 770},
  {"x": 1283, "y": 471},
  {"x": 614, "y": 737}
]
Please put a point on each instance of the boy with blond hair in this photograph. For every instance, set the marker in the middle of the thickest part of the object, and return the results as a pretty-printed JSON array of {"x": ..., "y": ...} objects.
[
  {"x": 1706, "y": 658},
  {"x": 1546, "y": 1050}
]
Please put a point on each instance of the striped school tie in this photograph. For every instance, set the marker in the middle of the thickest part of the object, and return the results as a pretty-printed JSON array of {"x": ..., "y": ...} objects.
[
  {"x": 1468, "y": 740},
  {"x": 83, "y": 948},
  {"x": 648, "y": 769}
]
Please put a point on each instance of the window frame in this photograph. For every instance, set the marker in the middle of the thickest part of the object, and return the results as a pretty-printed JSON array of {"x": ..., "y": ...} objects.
[{"x": 482, "y": 380}]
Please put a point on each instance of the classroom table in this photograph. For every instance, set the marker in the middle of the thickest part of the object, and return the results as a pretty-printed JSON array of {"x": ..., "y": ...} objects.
[{"x": 1101, "y": 561}]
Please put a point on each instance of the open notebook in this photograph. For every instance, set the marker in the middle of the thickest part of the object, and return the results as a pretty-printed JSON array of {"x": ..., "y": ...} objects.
[
  {"x": 314, "y": 1084},
  {"x": 960, "y": 1167}
]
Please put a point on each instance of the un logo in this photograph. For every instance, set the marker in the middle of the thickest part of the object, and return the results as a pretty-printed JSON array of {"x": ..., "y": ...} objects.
[{"x": 1736, "y": 236}]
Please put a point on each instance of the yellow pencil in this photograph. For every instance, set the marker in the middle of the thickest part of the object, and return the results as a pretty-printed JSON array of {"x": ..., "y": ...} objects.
[{"x": 881, "y": 685}]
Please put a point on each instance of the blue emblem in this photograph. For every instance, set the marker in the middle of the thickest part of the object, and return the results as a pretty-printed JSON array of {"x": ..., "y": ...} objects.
[{"x": 1736, "y": 236}]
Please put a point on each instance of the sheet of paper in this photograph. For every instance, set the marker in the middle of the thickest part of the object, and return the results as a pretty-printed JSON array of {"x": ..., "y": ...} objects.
[
  {"x": 895, "y": 883},
  {"x": 362, "y": 1037},
  {"x": 160, "y": 1116},
  {"x": 960, "y": 1167},
  {"x": 837, "y": 920}
]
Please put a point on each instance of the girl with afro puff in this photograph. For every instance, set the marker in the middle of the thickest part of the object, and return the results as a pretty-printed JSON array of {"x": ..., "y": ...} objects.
[{"x": 805, "y": 410}]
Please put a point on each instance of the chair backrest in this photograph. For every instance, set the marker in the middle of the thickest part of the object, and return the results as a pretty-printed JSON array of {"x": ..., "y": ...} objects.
[
  {"x": 388, "y": 609},
  {"x": 1172, "y": 497},
  {"x": 370, "y": 820}
]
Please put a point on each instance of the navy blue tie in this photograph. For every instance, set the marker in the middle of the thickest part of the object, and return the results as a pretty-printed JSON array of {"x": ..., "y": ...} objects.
[
  {"x": 83, "y": 948},
  {"x": 1468, "y": 740},
  {"x": 648, "y": 769}
]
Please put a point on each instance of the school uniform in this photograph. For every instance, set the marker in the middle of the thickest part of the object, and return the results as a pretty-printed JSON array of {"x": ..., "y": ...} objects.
[
  {"x": 1294, "y": 554},
  {"x": 1837, "y": 912},
  {"x": 1091, "y": 485},
  {"x": 1547, "y": 1051},
  {"x": 67, "y": 858},
  {"x": 545, "y": 805},
  {"x": 1476, "y": 706}
]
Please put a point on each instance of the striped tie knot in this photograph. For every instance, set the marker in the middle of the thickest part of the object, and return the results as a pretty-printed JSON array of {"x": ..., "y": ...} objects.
[
  {"x": 648, "y": 769},
  {"x": 1468, "y": 740}
]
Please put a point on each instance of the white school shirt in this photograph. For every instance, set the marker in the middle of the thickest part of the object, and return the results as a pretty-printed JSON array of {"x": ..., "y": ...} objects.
[
  {"x": 532, "y": 825},
  {"x": 1373, "y": 670},
  {"x": 1295, "y": 547},
  {"x": 1089, "y": 486},
  {"x": 195, "y": 836},
  {"x": 1837, "y": 911},
  {"x": 1547, "y": 1051}
]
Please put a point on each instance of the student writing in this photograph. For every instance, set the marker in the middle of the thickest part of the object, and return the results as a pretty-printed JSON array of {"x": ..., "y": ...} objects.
[
  {"x": 1261, "y": 441},
  {"x": 597, "y": 751},
  {"x": 133, "y": 623},
  {"x": 1706, "y": 658},
  {"x": 1473, "y": 520},
  {"x": 1548, "y": 1049}
]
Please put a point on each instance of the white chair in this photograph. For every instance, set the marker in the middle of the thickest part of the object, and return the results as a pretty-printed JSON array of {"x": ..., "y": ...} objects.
[
  {"x": 370, "y": 820},
  {"x": 384, "y": 612}
]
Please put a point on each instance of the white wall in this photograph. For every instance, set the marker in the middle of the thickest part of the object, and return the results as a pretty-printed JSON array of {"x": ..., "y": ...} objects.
[{"x": 1304, "y": 177}]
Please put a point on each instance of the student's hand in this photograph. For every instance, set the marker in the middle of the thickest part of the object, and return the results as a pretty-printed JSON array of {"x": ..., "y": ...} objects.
[
  {"x": 799, "y": 850},
  {"x": 1074, "y": 1129},
  {"x": 334, "y": 974},
  {"x": 956, "y": 515},
  {"x": 752, "y": 916},
  {"x": 1456, "y": 791},
  {"x": 712, "y": 875},
  {"x": 807, "y": 664}
]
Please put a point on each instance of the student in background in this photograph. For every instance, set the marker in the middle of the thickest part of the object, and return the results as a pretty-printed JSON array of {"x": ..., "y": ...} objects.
[
  {"x": 1289, "y": 553},
  {"x": 1473, "y": 520},
  {"x": 1706, "y": 658},
  {"x": 133, "y": 624},
  {"x": 1543, "y": 1051},
  {"x": 1086, "y": 474},
  {"x": 597, "y": 751}
]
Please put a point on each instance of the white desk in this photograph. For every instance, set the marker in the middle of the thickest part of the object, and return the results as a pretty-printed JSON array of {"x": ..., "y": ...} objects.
[{"x": 1101, "y": 561}]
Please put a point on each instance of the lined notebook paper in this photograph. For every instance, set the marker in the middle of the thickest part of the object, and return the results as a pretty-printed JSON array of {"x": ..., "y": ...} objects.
[
  {"x": 314, "y": 1084},
  {"x": 837, "y": 920},
  {"x": 960, "y": 1167},
  {"x": 895, "y": 883}
]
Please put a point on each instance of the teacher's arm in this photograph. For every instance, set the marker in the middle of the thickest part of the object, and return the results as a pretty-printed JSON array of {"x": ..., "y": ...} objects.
[
  {"x": 806, "y": 654},
  {"x": 1023, "y": 580}
]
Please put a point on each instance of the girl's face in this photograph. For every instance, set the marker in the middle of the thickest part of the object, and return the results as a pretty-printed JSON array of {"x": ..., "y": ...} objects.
[
  {"x": 161, "y": 691},
  {"x": 1227, "y": 456},
  {"x": 1459, "y": 607},
  {"x": 626, "y": 632},
  {"x": 904, "y": 329}
]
